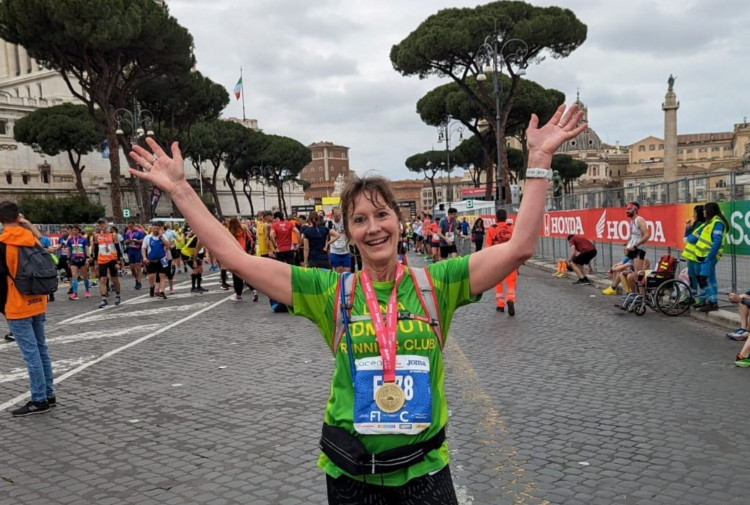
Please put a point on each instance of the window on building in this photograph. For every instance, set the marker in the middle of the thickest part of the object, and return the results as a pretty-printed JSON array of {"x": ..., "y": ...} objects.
[
  {"x": 679, "y": 151},
  {"x": 702, "y": 150},
  {"x": 652, "y": 147},
  {"x": 8, "y": 177},
  {"x": 641, "y": 149},
  {"x": 721, "y": 183},
  {"x": 39, "y": 89},
  {"x": 715, "y": 149},
  {"x": 727, "y": 148},
  {"x": 661, "y": 147},
  {"x": 689, "y": 151},
  {"x": 25, "y": 178},
  {"x": 3, "y": 127}
]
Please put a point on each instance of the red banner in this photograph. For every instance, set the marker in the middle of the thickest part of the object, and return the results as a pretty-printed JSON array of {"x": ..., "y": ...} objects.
[{"x": 665, "y": 222}]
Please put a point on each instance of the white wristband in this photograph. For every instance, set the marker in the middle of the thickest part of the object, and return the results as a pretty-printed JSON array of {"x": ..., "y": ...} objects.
[{"x": 538, "y": 173}]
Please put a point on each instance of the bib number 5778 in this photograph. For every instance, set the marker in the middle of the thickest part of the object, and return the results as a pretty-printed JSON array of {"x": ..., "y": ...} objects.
[{"x": 405, "y": 382}]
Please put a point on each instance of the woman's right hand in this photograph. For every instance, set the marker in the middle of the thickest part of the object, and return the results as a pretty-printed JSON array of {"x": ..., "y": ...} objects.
[{"x": 159, "y": 169}]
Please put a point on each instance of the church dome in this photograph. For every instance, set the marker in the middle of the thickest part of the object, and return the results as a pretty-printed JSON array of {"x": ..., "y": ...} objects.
[{"x": 587, "y": 140}]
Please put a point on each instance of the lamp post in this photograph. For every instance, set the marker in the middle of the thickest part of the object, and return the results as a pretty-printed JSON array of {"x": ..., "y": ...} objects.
[
  {"x": 139, "y": 122},
  {"x": 494, "y": 59},
  {"x": 445, "y": 130}
]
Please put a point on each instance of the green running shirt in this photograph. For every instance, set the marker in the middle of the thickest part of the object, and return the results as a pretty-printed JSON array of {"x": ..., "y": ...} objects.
[{"x": 314, "y": 293}]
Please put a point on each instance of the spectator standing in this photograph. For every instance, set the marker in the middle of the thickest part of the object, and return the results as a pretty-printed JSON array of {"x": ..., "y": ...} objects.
[
  {"x": 582, "y": 251},
  {"x": 25, "y": 313},
  {"x": 281, "y": 236},
  {"x": 315, "y": 240},
  {"x": 477, "y": 233},
  {"x": 693, "y": 229},
  {"x": 710, "y": 246}
]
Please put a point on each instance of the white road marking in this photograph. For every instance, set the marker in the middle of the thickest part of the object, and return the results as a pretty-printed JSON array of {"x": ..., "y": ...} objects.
[
  {"x": 93, "y": 335},
  {"x": 57, "y": 366},
  {"x": 106, "y": 314},
  {"x": 20, "y": 398}
]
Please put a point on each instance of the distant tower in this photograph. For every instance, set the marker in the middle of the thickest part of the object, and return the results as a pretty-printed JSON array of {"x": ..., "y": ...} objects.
[{"x": 670, "y": 107}]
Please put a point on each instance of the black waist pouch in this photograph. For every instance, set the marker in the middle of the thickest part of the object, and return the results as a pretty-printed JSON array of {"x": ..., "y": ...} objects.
[{"x": 347, "y": 452}]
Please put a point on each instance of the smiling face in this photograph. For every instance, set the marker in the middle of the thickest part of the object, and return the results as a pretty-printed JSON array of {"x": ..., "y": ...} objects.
[{"x": 374, "y": 229}]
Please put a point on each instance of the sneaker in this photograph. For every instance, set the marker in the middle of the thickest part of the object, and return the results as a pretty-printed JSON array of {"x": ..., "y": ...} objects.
[
  {"x": 202, "y": 290},
  {"x": 511, "y": 308},
  {"x": 171, "y": 291},
  {"x": 161, "y": 295},
  {"x": 103, "y": 304},
  {"x": 52, "y": 401},
  {"x": 31, "y": 408},
  {"x": 609, "y": 291},
  {"x": 698, "y": 303},
  {"x": 194, "y": 290},
  {"x": 151, "y": 291},
  {"x": 117, "y": 300},
  {"x": 236, "y": 298},
  {"x": 51, "y": 297},
  {"x": 709, "y": 307},
  {"x": 500, "y": 309},
  {"x": 9, "y": 337},
  {"x": 224, "y": 287},
  {"x": 138, "y": 285},
  {"x": 739, "y": 335},
  {"x": 73, "y": 296},
  {"x": 87, "y": 294},
  {"x": 582, "y": 281},
  {"x": 743, "y": 362},
  {"x": 94, "y": 284},
  {"x": 112, "y": 288},
  {"x": 255, "y": 296}
]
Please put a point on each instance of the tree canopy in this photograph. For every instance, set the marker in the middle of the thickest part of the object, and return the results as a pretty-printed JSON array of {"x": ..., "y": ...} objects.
[
  {"x": 64, "y": 128},
  {"x": 457, "y": 42},
  {"x": 568, "y": 169},
  {"x": 103, "y": 50}
]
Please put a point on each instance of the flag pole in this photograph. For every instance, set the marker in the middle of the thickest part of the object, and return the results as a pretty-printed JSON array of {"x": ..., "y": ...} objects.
[{"x": 242, "y": 86}]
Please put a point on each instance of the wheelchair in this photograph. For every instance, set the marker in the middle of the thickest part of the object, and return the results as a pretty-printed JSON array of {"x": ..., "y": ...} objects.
[{"x": 661, "y": 291}]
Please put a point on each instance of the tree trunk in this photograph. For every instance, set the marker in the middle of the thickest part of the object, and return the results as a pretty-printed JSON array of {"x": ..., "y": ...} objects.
[
  {"x": 434, "y": 192},
  {"x": 78, "y": 172},
  {"x": 249, "y": 195},
  {"x": 234, "y": 193},
  {"x": 114, "y": 171},
  {"x": 490, "y": 179},
  {"x": 215, "y": 192}
]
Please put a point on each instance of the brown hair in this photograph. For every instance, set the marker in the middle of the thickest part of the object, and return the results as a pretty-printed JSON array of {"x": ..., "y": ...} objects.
[
  {"x": 376, "y": 189},
  {"x": 235, "y": 227},
  {"x": 313, "y": 219}
]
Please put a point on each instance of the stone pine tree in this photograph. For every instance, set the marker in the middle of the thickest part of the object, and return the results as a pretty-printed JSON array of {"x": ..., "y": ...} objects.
[
  {"x": 449, "y": 44},
  {"x": 104, "y": 50},
  {"x": 283, "y": 160},
  {"x": 428, "y": 165},
  {"x": 66, "y": 128},
  {"x": 450, "y": 100}
]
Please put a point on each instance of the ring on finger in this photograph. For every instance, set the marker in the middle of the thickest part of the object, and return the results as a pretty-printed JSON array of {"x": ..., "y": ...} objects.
[
  {"x": 153, "y": 160},
  {"x": 561, "y": 125}
]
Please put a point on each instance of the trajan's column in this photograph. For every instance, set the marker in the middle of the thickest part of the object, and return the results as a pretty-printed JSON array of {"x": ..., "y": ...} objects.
[{"x": 670, "y": 107}]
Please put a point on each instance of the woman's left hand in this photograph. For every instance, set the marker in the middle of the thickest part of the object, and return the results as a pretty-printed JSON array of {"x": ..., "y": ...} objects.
[
  {"x": 563, "y": 125},
  {"x": 159, "y": 169}
]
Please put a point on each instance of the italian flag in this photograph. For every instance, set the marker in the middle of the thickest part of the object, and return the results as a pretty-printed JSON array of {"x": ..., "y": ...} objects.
[{"x": 238, "y": 88}]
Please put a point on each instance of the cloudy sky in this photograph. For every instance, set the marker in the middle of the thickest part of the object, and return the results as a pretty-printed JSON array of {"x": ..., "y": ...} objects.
[{"x": 319, "y": 70}]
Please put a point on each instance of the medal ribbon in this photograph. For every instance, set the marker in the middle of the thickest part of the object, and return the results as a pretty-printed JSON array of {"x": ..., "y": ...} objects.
[{"x": 385, "y": 332}]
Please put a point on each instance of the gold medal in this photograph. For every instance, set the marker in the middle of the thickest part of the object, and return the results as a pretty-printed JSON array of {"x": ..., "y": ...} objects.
[{"x": 390, "y": 397}]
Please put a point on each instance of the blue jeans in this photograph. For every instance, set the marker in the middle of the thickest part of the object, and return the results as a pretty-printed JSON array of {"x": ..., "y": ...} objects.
[
  {"x": 708, "y": 269},
  {"x": 29, "y": 335},
  {"x": 694, "y": 270}
]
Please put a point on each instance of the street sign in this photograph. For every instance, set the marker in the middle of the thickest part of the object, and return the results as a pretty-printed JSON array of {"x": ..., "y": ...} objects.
[
  {"x": 469, "y": 204},
  {"x": 126, "y": 212}
]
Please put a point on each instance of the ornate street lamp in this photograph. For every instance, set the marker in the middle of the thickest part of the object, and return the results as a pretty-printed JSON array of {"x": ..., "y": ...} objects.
[
  {"x": 445, "y": 130},
  {"x": 494, "y": 59},
  {"x": 139, "y": 122}
]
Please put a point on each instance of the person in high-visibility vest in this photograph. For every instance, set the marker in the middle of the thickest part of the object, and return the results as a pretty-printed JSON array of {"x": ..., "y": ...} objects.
[
  {"x": 505, "y": 290},
  {"x": 709, "y": 246},
  {"x": 693, "y": 227}
]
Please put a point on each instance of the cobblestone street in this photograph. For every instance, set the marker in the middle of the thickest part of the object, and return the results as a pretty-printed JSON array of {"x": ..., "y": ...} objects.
[{"x": 199, "y": 400}]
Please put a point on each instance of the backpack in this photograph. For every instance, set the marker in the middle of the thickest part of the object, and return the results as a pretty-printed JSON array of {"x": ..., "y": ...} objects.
[
  {"x": 502, "y": 234},
  {"x": 36, "y": 273},
  {"x": 665, "y": 266},
  {"x": 425, "y": 293}
]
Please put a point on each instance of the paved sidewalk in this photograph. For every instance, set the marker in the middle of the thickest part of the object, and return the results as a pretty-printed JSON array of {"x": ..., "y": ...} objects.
[{"x": 199, "y": 400}]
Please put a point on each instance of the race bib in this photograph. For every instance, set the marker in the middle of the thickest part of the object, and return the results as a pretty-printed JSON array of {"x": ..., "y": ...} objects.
[
  {"x": 435, "y": 237},
  {"x": 450, "y": 236},
  {"x": 413, "y": 377}
]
